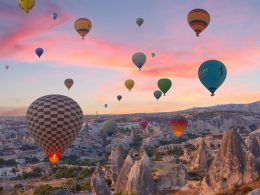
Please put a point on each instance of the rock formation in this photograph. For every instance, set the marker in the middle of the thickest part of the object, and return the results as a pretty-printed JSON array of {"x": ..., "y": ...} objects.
[
  {"x": 253, "y": 145},
  {"x": 135, "y": 176},
  {"x": 232, "y": 166},
  {"x": 173, "y": 180},
  {"x": 123, "y": 174},
  {"x": 118, "y": 155},
  {"x": 98, "y": 184},
  {"x": 200, "y": 158},
  {"x": 140, "y": 179}
]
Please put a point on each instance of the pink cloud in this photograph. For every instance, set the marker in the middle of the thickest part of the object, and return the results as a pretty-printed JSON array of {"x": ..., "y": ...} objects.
[{"x": 8, "y": 111}]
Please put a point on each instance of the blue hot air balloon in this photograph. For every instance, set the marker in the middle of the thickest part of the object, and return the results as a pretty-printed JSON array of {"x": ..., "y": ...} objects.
[
  {"x": 212, "y": 74},
  {"x": 157, "y": 94},
  {"x": 39, "y": 52},
  {"x": 54, "y": 16}
]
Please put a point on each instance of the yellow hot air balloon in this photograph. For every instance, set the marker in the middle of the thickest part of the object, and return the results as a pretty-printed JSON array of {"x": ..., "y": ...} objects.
[
  {"x": 129, "y": 84},
  {"x": 82, "y": 26},
  {"x": 26, "y": 5}
]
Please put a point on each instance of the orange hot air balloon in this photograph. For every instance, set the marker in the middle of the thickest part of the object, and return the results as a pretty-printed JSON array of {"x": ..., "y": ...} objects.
[
  {"x": 55, "y": 121},
  {"x": 68, "y": 83},
  {"x": 82, "y": 26},
  {"x": 178, "y": 125}
]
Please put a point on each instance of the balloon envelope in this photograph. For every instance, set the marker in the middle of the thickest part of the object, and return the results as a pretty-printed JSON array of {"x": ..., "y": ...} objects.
[
  {"x": 198, "y": 20},
  {"x": 54, "y": 16},
  {"x": 105, "y": 105},
  {"x": 139, "y": 21},
  {"x": 129, "y": 84},
  {"x": 157, "y": 94},
  {"x": 39, "y": 52},
  {"x": 212, "y": 74},
  {"x": 143, "y": 123},
  {"x": 164, "y": 85},
  {"x": 152, "y": 54},
  {"x": 139, "y": 59},
  {"x": 26, "y": 5},
  {"x": 68, "y": 83},
  {"x": 82, "y": 26},
  {"x": 54, "y": 121},
  {"x": 6, "y": 67},
  {"x": 178, "y": 125},
  {"x": 119, "y": 97}
]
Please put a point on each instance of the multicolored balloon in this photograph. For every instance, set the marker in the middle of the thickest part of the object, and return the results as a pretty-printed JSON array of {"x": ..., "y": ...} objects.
[
  {"x": 178, "y": 125},
  {"x": 129, "y": 84},
  {"x": 143, "y": 123},
  {"x": 54, "y": 16},
  {"x": 26, "y": 5},
  {"x": 55, "y": 121},
  {"x": 157, "y": 94},
  {"x": 198, "y": 20},
  {"x": 164, "y": 85},
  {"x": 82, "y": 26},
  {"x": 68, "y": 83},
  {"x": 139, "y": 21},
  {"x": 119, "y": 97},
  {"x": 212, "y": 74},
  {"x": 39, "y": 52},
  {"x": 139, "y": 59}
]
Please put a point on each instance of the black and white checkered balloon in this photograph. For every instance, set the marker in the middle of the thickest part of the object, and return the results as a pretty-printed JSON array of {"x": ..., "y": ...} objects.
[{"x": 55, "y": 121}]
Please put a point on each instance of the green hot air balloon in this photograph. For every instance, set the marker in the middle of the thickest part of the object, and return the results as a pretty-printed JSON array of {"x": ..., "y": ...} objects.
[
  {"x": 157, "y": 94},
  {"x": 139, "y": 21},
  {"x": 152, "y": 54},
  {"x": 212, "y": 74},
  {"x": 164, "y": 85}
]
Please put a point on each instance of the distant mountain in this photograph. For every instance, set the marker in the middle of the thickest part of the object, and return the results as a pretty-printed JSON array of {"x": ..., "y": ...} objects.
[{"x": 251, "y": 107}]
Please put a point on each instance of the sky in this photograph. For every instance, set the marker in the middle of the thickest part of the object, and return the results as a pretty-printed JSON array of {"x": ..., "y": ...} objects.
[{"x": 101, "y": 62}]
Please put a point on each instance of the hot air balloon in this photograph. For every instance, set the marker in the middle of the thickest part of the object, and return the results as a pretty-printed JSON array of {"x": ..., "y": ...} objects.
[
  {"x": 178, "y": 125},
  {"x": 82, "y": 26},
  {"x": 212, "y": 74},
  {"x": 164, "y": 85},
  {"x": 139, "y": 59},
  {"x": 143, "y": 123},
  {"x": 129, "y": 84},
  {"x": 157, "y": 94},
  {"x": 39, "y": 52},
  {"x": 68, "y": 83},
  {"x": 139, "y": 21},
  {"x": 26, "y": 5},
  {"x": 109, "y": 128},
  {"x": 6, "y": 67},
  {"x": 55, "y": 121},
  {"x": 198, "y": 20},
  {"x": 54, "y": 16},
  {"x": 119, "y": 97},
  {"x": 105, "y": 105},
  {"x": 152, "y": 54}
]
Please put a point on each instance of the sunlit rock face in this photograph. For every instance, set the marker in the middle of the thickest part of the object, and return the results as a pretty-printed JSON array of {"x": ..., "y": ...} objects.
[{"x": 233, "y": 165}]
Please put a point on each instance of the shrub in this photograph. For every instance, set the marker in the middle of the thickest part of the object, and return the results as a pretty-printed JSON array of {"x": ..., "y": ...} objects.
[{"x": 246, "y": 189}]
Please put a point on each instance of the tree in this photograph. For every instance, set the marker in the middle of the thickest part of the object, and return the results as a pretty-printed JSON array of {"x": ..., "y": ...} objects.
[{"x": 43, "y": 190}]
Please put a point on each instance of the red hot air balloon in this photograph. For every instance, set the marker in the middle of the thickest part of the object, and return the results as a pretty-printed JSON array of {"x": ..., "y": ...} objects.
[
  {"x": 143, "y": 123},
  {"x": 178, "y": 125},
  {"x": 54, "y": 121}
]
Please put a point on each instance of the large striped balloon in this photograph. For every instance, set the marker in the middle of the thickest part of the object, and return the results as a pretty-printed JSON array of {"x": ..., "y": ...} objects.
[
  {"x": 178, "y": 125},
  {"x": 82, "y": 26},
  {"x": 54, "y": 121},
  {"x": 198, "y": 20}
]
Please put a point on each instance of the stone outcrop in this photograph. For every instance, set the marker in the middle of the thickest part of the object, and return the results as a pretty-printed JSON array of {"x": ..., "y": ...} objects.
[
  {"x": 98, "y": 184},
  {"x": 200, "y": 158},
  {"x": 175, "y": 179},
  {"x": 232, "y": 166},
  {"x": 253, "y": 145},
  {"x": 123, "y": 174},
  {"x": 118, "y": 155}
]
